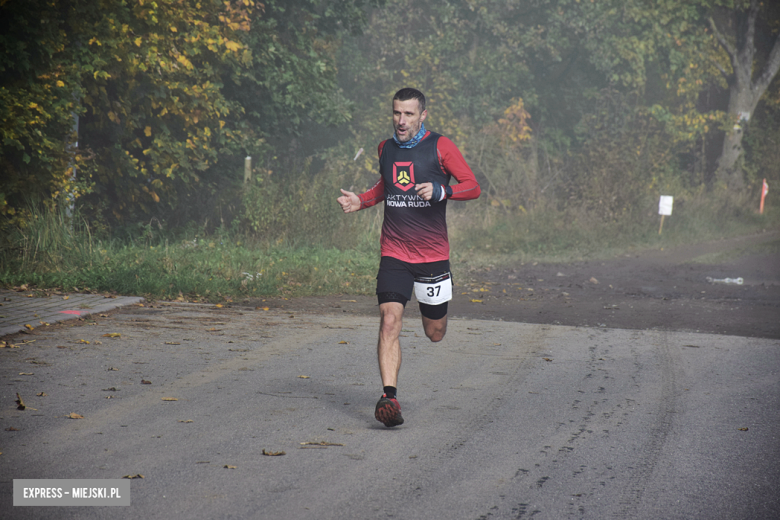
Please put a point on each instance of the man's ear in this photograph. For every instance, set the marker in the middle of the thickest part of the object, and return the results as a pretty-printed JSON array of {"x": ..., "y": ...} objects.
[{"x": 423, "y": 115}]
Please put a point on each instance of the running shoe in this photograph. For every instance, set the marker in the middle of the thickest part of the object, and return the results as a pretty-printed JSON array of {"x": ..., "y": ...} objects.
[{"x": 388, "y": 412}]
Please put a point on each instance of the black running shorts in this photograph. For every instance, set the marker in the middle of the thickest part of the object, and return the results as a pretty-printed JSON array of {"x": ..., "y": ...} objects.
[{"x": 395, "y": 283}]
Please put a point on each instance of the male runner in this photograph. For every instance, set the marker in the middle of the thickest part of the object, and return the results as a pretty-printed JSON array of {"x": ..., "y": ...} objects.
[{"x": 415, "y": 168}]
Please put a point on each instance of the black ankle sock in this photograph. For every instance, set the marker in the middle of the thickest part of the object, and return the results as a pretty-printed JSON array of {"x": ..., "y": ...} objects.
[{"x": 390, "y": 392}]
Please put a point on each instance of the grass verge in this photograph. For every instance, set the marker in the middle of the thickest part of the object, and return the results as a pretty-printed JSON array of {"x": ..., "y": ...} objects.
[{"x": 56, "y": 252}]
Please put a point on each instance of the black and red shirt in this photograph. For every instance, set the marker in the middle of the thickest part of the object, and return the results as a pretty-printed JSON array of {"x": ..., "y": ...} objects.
[{"x": 415, "y": 230}]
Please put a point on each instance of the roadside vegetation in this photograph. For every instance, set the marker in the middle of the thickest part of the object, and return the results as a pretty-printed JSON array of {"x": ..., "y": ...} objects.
[{"x": 56, "y": 252}]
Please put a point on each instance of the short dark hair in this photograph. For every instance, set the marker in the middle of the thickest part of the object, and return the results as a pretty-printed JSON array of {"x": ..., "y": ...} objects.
[{"x": 405, "y": 94}]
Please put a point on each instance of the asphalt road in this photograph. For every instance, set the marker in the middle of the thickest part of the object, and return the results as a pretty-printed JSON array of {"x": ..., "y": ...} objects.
[{"x": 503, "y": 420}]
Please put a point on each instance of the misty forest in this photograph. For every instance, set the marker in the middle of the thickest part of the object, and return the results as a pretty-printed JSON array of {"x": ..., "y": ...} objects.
[{"x": 129, "y": 123}]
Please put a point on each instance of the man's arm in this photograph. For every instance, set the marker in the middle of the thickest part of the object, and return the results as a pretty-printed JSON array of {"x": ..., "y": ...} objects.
[
  {"x": 452, "y": 162},
  {"x": 350, "y": 202}
]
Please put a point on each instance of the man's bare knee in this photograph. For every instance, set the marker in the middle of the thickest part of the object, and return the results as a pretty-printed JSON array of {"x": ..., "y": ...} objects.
[{"x": 435, "y": 330}]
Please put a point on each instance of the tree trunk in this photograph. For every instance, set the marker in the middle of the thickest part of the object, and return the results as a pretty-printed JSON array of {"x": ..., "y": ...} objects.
[
  {"x": 741, "y": 107},
  {"x": 744, "y": 92}
]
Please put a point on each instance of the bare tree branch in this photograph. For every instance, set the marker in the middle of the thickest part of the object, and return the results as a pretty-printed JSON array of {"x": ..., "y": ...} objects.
[
  {"x": 770, "y": 68},
  {"x": 722, "y": 41},
  {"x": 748, "y": 49},
  {"x": 751, "y": 28}
]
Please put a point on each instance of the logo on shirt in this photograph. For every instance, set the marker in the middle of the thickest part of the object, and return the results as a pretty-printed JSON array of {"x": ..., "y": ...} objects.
[{"x": 403, "y": 175}]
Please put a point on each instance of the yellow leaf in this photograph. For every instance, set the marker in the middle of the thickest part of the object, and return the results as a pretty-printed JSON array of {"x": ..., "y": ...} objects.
[
  {"x": 29, "y": 327},
  {"x": 60, "y": 83},
  {"x": 273, "y": 453},
  {"x": 173, "y": 29},
  {"x": 112, "y": 335},
  {"x": 138, "y": 42},
  {"x": 228, "y": 466},
  {"x": 148, "y": 131},
  {"x": 74, "y": 416},
  {"x": 233, "y": 46},
  {"x": 169, "y": 399},
  {"x": 304, "y": 377},
  {"x": 476, "y": 301}
]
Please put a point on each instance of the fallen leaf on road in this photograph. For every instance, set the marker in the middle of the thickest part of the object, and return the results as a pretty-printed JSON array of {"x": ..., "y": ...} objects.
[
  {"x": 42, "y": 394},
  {"x": 103, "y": 315},
  {"x": 547, "y": 359},
  {"x": 304, "y": 377},
  {"x": 343, "y": 342},
  {"x": 187, "y": 421},
  {"x": 20, "y": 402},
  {"x": 172, "y": 343},
  {"x": 321, "y": 443},
  {"x": 26, "y": 374},
  {"x": 109, "y": 397},
  {"x": 145, "y": 382},
  {"x": 742, "y": 429},
  {"x": 11, "y": 429},
  {"x": 593, "y": 280},
  {"x": 74, "y": 416},
  {"x": 134, "y": 476},
  {"x": 218, "y": 306},
  {"x": 113, "y": 335},
  {"x": 476, "y": 301},
  {"x": 169, "y": 399},
  {"x": 29, "y": 327},
  {"x": 228, "y": 466},
  {"x": 113, "y": 369},
  {"x": 65, "y": 297},
  {"x": 273, "y": 453},
  {"x": 44, "y": 323},
  {"x": 83, "y": 341},
  {"x": 6, "y": 344}
]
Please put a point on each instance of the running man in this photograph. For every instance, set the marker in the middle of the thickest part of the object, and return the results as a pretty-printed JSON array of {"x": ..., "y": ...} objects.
[{"x": 415, "y": 169}]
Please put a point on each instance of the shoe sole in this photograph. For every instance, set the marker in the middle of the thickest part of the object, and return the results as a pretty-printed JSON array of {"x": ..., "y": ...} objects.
[{"x": 388, "y": 414}]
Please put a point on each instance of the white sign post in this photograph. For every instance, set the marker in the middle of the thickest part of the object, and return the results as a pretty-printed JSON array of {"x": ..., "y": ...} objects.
[{"x": 664, "y": 209}]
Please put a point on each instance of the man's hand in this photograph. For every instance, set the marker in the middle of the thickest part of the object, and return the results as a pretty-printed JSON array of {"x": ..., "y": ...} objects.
[
  {"x": 349, "y": 202},
  {"x": 429, "y": 190}
]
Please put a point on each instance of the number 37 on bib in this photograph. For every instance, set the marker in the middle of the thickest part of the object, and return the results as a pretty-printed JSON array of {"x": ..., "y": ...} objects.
[{"x": 433, "y": 290}]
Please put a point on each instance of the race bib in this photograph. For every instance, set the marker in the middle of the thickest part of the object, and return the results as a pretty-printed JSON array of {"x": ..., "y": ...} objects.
[{"x": 433, "y": 290}]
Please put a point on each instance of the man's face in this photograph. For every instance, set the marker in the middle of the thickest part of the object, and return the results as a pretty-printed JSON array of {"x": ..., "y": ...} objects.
[{"x": 407, "y": 118}]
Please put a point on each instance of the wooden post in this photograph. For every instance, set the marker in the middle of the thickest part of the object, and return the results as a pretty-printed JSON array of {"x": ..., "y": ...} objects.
[
  {"x": 247, "y": 169},
  {"x": 662, "y": 224}
]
